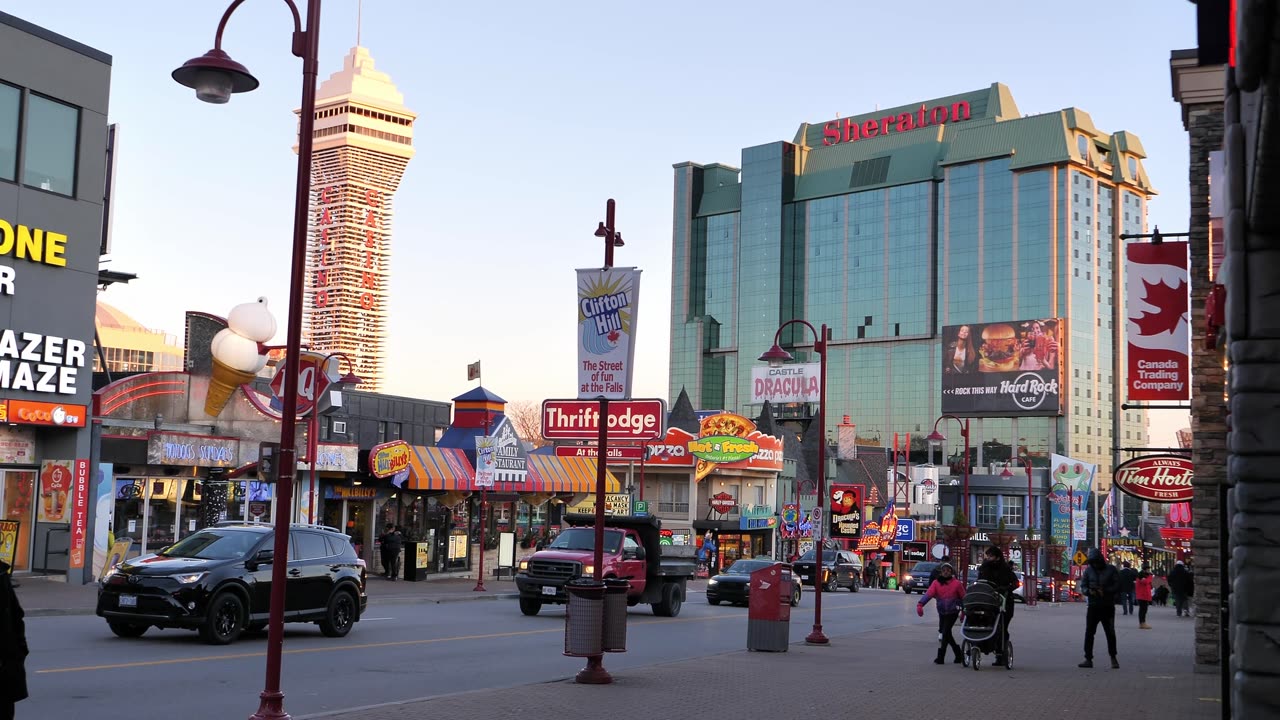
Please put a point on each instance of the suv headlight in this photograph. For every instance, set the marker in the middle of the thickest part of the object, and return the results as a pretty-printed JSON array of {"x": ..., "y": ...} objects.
[
  {"x": 524, "y": 565},
  {"x": 712, "y": 581},
  {"x": 189, "y": 578},
  {"x": 588, "y": 570}
]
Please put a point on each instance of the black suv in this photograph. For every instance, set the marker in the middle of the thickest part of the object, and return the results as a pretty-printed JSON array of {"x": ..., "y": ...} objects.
[
  {"x": 840, "y": 568},
  {"x": 917, "y": 578},
  {"x": 218, "y": 581}
]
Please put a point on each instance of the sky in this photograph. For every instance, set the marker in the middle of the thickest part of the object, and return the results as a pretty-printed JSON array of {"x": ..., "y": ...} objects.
[{"x": 532, "y": 115}]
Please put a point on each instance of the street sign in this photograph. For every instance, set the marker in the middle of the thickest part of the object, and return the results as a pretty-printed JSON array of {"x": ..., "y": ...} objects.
[
  {"x": 640, "y": 508},
  {"x": 313, "y": 380},
  {"x": 906, "y": 530},
  {"x": 939, "y": 551},
  {"x": 580, "y": 419},
  {"x": 1079, "y": 558},
  {"x": 591, "y": 451}
]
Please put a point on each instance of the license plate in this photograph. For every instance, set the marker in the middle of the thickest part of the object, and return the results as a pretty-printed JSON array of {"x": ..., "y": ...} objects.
[
  {"x": 804, "y": 577},
  {"x": 548, "y": 590},
  {"x": 128, "y": 601}
]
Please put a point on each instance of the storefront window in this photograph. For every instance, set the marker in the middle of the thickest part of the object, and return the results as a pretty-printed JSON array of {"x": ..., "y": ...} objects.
[
  {"x": 130, "y": 519},
  {"x": 17, "y": 492},
  {"x": 986, "y": 509},
  {"x": 162, "y": 513},
  {"x": 1013, "y": 507}
]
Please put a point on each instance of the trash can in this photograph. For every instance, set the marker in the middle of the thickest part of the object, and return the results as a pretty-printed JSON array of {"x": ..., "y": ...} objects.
[
  {"x": 769, "y": 609},
  {"x": 584, "y": 618},
  {"x": 615, "y": 615},
  {"x": 414, "y": 561}
]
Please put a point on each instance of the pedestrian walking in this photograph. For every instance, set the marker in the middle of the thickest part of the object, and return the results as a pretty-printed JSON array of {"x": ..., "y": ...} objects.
[
  {"x": 949, "y": 593},
  {"x": 392, "y": 543},
  {"x": 933, "y": 575},
  {"x": 1142, "y": 589},
  {"x": 996, "y": 570},
  {"x": 1100, "y": 584},
  {"x": 13, "y": 647},
  {"x": 1181, "y": 586},
  {"x": 1128, "y": 576}
]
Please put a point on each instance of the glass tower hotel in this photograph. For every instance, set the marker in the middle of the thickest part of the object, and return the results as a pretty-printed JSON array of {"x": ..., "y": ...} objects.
[{"x": 891, "y": 226}]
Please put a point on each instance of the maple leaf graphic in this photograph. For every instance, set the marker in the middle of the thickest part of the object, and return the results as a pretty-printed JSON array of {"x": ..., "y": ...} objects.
[
  {"x": 1172, "y": 304},
  {"x": 613, "y": 336}
]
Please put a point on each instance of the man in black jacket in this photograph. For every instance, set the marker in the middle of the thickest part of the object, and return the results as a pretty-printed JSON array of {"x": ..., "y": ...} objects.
[
  {"x": 392, "y": 543},
  {"x": 13, "y": 647},
  {"x": 1101, "y": 585},
  {"x": 1128, "y": 587},
  {"x": 1181, "y": 585}
]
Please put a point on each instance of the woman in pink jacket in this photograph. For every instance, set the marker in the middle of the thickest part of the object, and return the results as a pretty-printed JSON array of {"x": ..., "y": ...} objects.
[
  {"x": 1142, "y": 590},
  {"x": 949, "y": 593}
]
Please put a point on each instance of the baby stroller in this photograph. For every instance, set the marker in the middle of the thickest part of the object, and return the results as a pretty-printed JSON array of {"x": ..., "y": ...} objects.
[{"x": 984, "y": 625}]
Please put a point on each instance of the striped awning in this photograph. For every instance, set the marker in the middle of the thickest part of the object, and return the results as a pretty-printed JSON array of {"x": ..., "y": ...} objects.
[
  {"x": 435, "y": 468},
  {"x": 549, "y": 473}
]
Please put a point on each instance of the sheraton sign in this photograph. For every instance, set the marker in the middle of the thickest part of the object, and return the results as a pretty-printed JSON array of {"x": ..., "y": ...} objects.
[
  {"x": 852, "y": 129},
  {"x": 1156, "y": 478}
]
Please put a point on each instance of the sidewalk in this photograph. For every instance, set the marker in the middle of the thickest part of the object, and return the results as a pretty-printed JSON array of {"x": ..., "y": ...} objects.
[
  {"x": 885, "y": 671},
  {"x": 51, "y": 596}
]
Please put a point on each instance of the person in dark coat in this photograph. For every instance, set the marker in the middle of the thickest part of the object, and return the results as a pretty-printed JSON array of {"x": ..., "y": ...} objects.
[
  {"x": 1128, "y": 580},
  {"x": 13, "y": 647},
  {"x": 996, "y": 570},
  {"x": 1101, "y": 585},
  {"x": 1181, "y": 585},
  {"x": 392, "y": 543}
]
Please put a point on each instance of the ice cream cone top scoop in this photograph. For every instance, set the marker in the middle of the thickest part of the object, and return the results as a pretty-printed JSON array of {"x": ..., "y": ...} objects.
[{"x": 252, "y": 320}]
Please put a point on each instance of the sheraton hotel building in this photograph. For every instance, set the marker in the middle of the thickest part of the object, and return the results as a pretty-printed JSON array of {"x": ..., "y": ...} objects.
[{"x": 894, "y": 225}]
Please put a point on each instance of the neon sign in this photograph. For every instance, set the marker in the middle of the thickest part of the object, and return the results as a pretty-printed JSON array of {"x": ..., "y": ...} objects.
[{"x": 850, "y": 130}]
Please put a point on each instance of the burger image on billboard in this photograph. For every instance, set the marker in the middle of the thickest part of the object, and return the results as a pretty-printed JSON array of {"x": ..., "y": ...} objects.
[{"x": 999, "y": 350}]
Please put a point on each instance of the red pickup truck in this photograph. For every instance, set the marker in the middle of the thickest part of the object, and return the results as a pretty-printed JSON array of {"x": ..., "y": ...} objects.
[{"x": 632, "y": 552}]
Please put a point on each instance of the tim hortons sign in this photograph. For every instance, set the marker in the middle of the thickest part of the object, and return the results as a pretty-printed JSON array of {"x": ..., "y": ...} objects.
[{"x": 1156, "y": 478}]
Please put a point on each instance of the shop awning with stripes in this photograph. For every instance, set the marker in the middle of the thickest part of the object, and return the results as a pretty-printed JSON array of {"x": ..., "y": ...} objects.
[
  {"x": 435, "y": 468},
  {"x": 551, "y": 474}
]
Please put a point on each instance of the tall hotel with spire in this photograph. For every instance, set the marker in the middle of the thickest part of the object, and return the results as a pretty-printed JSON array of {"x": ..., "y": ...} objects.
[{"x": 363, "y": 142}]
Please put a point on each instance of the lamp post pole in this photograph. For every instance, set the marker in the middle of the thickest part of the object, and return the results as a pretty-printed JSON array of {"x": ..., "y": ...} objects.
[
  {"x": 936, "y": 438},
  {"x": 215, "y": 76},
  {"x": 1031, "y": 587},
  {"x": 776, "y": 356},
  {"x": 594, "y": 673},
  {"x": 484, "y": 512}
]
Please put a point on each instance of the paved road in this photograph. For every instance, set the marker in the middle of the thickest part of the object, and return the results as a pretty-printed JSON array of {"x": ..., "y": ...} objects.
[{"x": 399, "y": 651}]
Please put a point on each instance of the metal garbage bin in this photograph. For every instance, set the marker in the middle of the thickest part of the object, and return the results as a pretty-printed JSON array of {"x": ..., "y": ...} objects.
[
  {"x": 769, "y": 609},
  {"x": 615, "y": 615},
  {"x": 584, "y": 618}
]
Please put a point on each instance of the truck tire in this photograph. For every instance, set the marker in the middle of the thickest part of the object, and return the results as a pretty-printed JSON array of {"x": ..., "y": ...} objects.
[
  {"x": 530, "y": 606},
  {"x": 672, "y": 599}
]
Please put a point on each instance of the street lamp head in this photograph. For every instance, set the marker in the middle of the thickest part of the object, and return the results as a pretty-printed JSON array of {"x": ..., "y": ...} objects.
[
  {"x": 601, "y": 230},
  {"x": 351, "y": 379},
  {"x": 215, "y": 76},
  {"x": 776, "y": 356},
  {"x": 1005, "y": 472},
  {"x": 617, "y": 240},
  {"x": 936, "y": 439}
]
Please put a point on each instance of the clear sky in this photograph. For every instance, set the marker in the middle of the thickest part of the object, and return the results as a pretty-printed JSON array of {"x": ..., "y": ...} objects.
[{"x": 531, "y": 115}]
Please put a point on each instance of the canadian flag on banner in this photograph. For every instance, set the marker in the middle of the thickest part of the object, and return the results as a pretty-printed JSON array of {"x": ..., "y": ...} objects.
[{"x": 1158, "y": 327}]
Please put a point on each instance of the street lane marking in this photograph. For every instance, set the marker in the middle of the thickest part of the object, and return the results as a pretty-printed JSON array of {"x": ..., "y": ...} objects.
[
  {"x": 364, "y": 619},
  {"x": 395, "y": 643}
]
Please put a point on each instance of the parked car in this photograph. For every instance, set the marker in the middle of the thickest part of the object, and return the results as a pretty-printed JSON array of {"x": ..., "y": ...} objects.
[
  {"x": 217, "y": 581},
  {"x": 1044, "y": 590},
  {"x": 632, "y": 550},
  {"x": 1018, "y": 592},
  {"x": 917, "y": 578},
  {"x": 840, "y": 568},
  {"x": 734, "y": 584}
]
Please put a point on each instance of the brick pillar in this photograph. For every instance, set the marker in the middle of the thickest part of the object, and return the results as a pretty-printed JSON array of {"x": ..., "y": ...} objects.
[{"x": 1208, "y": 408}]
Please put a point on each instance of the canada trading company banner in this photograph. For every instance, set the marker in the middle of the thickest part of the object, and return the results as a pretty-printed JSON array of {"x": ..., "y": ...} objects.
[
  {"x": 608, "y": 302},
  {"x": 1002, "y": 369},
  {"x": 1158, "y": 328}
]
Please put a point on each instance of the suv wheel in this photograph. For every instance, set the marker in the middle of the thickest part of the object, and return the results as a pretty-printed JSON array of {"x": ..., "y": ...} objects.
[
  {"x": 225, "y": 620},
  {"x": 530, "y": 606},
  {"x": 127, "y": 630},
  {"x": 341, "y": 615}
]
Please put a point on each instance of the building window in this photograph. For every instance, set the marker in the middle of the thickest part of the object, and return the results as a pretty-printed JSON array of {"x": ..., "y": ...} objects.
[
  {"x": 673, "y": 497},
  {"x": 49, "y": 150},
  {"x": 394, "y": 431},
  {"x": 985, "y": 509},
  {"x": 1133, "y": 168},
  {"x": 382, "y": 431},
  {"x": 10, "y": 106},
  {"x": 1012, "y": 515},
  {"x": 1082, "y": 144},
  {"x": 326, "y": 428}
]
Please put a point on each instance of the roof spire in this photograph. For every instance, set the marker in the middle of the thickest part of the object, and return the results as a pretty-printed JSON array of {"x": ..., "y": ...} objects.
[{"x": 359, "y": 17}]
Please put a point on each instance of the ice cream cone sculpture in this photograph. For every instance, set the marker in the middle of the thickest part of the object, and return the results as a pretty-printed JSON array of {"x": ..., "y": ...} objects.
[{"x": 237, "y": 353}]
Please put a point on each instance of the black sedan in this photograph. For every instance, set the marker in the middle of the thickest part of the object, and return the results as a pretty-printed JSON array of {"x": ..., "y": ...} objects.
[{"x": 734, "y": 585}]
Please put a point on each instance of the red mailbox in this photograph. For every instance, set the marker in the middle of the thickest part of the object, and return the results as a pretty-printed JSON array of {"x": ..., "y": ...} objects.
[{"x": 769, "y": 611}]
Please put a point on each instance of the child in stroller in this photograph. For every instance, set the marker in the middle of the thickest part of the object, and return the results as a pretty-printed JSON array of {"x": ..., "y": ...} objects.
[{"x": 984, "y": 625}]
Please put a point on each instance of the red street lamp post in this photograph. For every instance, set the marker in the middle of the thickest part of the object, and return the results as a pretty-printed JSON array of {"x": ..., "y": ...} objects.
[
  {"x": 215, "y": 76},
  {"x": 484, "y": 511},
  {"x": 936, "y": 439},
  {"x": 313, "y": 431},
  {"x": 1030, "y": 525},
  {"x": 776, "y": 356},
  {"x": 594, "y": 673}
]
